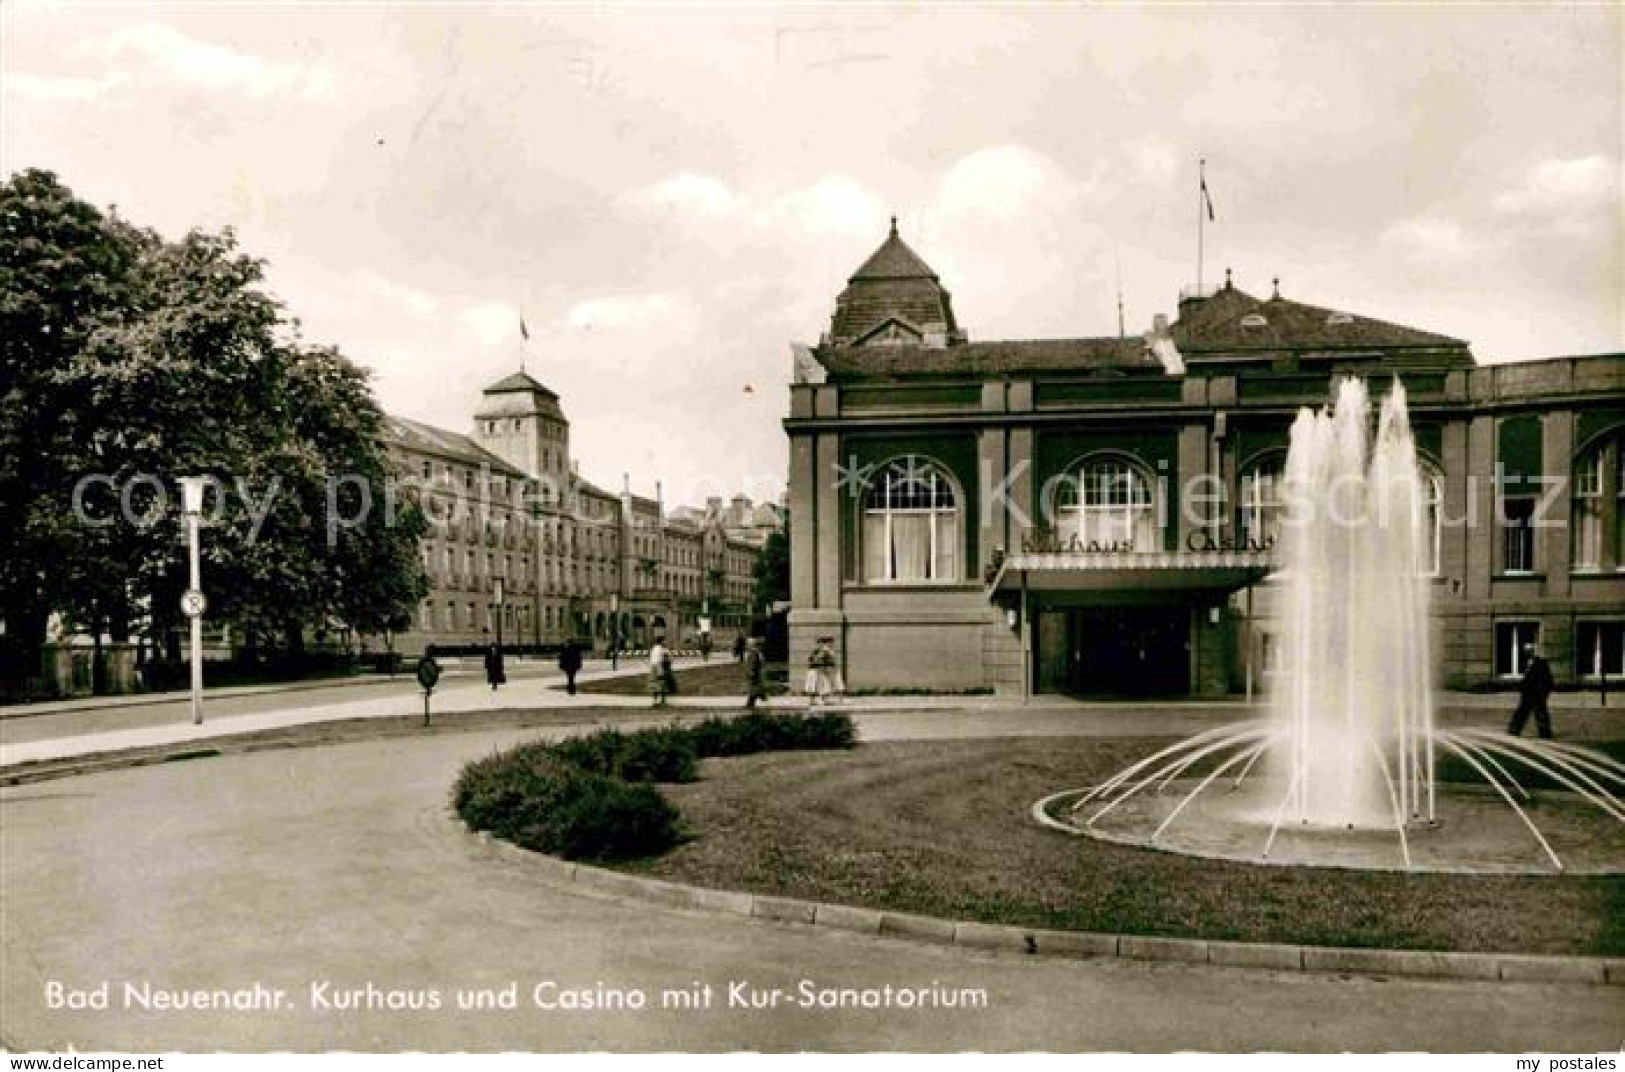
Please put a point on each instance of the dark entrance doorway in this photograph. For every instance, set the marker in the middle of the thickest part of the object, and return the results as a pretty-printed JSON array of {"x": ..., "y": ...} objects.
[{"x": 1115, "y": 651}]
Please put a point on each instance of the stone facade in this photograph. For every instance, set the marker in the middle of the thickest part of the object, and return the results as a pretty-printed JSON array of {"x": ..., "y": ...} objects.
[
  {"x": 1093, "y": 515},
  {"x": 508, "y": 507}
]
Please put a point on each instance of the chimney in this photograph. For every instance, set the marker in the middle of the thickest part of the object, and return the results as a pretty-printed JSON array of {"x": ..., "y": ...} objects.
[{"x": 1160, "y": 341}]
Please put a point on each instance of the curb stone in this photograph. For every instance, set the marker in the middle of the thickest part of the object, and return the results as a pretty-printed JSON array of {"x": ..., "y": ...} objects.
[
  {"x": 924, "y": 928},
  {"x": 843, "y": 917},
  {"x": 1531, "y": 969},
  {"x": 1505, "y": 967},
  {"x": 1144, "y": 947},
  {"x": 1256, "y": 955}
]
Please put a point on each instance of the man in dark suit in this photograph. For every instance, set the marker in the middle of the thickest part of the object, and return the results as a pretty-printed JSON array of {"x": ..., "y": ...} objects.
[
  {"x": 1532, "y": 695},
  {"x": 570, "y": 663}
]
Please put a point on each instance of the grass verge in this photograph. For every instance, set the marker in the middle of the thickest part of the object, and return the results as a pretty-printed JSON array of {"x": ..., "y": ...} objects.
[{"x": 942, "y": 828}]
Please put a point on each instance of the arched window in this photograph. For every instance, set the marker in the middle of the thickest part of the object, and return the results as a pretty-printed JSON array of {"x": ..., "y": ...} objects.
[
  {"x": 1262, "y": 509},
  {"x": 1107, "y": 502},
  {"x": 1597, "y": 522},
  {"x": 910, "y": 524}
]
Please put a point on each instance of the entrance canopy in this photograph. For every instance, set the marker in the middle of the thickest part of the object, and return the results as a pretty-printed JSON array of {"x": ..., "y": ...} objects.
[{"x": 1115, "y": 571}]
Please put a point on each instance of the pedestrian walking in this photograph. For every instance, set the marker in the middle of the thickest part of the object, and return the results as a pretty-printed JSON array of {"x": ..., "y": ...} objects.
[
  {"x": 1533, "y": 693},
  {"x": 822, "y": 672},
  {"x": 495, "y": 673},
  {"x": 705, "y": 647},
  {"x": 755, "y": 672},
  {"x": 615, "y": 651},
  {"x": 662, "y": 683},
  {"x": 570, "y": 663},
  {"x": 739, "y": 646}
]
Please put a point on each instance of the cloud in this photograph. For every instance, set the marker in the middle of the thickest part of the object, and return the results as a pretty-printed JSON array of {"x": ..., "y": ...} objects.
[
  {"x": 835, "y": 204},
  {"x": 1561, "y": 187},
  {"x": 619, "y": 312},
  {"x": 491, "y": 322},
  {"x": 686, "y": 192},
  {"x": 368, "y": 285},
  {"x": 163, "y": 50},
  {"x": 1004, "y": 181},
  {"x": 43, "y": 88},
  {"x": 1431, "y": 239}
]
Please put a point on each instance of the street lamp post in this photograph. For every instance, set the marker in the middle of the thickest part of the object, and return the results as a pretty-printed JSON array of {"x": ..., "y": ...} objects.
[
  {"x": 501, "y": 594},
  {"x": 193, "y": 602}
]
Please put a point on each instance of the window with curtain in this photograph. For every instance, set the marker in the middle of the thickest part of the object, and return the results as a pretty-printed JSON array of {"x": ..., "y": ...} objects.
[
  {"x": 1261, "y": 502},
  {"x": 1587, "y": 514},
  {"x": 910, "y": 524},
  {"x": 1107, "y": 502},
  {"x": 1433, "y": 519},
  {"x": 1518, "y": 534},
  {"x": 1599, "y": 649},
  {"x": 1511, "y": 638}
]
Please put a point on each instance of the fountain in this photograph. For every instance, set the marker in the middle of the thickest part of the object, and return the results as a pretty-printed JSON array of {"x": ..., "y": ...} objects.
[{"x": 1347, "y": 756}]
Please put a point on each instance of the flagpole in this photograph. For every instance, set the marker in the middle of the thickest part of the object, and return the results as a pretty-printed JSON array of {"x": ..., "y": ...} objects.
[{"x": 1201, "y": 195}]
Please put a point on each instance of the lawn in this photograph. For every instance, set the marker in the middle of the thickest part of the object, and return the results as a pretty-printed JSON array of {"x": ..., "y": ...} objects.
[{"x": 942, "y": 828}]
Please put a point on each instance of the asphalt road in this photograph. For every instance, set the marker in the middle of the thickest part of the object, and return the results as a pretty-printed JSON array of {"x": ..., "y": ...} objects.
[{"x": 336, "y": 871}]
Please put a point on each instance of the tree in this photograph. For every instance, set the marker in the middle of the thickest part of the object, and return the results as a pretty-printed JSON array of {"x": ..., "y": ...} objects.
[
  {"x": 175, "y": 362},
  {"x": 64, "y": 275},
  {"x": 771, "y": 574}
]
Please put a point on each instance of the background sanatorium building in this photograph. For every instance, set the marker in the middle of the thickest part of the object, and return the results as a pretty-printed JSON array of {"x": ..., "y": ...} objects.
[
  {"x": 509, "y": 510},
  {"x": 919, "y": 459}
]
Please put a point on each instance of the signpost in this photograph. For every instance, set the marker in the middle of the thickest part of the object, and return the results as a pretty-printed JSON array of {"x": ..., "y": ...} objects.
[
  {"x": 428, "y": 676},
  {"x": 194, "y": 603}
]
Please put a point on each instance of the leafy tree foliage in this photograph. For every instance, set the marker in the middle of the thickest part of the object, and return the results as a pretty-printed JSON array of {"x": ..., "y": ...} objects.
[
  {"x": 130, "y": 361},
  {"x": 771, "y": 574}
]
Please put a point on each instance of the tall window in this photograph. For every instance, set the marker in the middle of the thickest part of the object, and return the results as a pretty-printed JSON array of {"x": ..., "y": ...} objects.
[
  {"x": 1587, "y": 513},
  {"x": 1261, "y": 503},
  {"x": 1433, "y": 519},
  {"x": 1597, "y": 520},
  {"x": 1511, "y": 638},
  {"x": 1107, "y": 503},
  {"x": 1599, "y": 649},
  {"x": 910, "y": 524},
  {"x": 1518, "y": 534}
]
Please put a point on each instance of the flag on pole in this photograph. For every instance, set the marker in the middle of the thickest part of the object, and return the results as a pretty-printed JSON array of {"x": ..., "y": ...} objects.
[
  {"x": 1206, "y": 198},
  {"x": 524, "y": 332}
]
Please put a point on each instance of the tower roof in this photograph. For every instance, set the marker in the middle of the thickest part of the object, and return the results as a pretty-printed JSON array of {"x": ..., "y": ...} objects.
[
  {"x": 518, "y": 381},
  {"x": 894, "y": 298},
  {"x": 894, "y": 260},
  {"x": 519, "y": 395}
]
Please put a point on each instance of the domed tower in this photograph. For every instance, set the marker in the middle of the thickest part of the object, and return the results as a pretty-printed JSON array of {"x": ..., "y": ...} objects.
[
  {"x": 520, "y": 422},
  {"x": 894, "y": 299}
]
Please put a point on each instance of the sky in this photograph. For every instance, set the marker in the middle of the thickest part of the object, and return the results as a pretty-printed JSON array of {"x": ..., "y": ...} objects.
[{"x": 669, "y": 198}]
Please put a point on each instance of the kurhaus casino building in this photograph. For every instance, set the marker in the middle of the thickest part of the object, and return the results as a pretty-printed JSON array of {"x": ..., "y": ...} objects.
[{"x": 1096, "y": 516}]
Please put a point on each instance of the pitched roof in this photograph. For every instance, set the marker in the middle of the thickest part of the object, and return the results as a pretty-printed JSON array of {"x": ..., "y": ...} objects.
[
  {"x": 1232, "y": 320},
  {"x": 420, "y": 438},
  {"x": 983, "y": 358},
  {"x": 894, "y": 283},
  {"x": 893, "y": 260},
  {"x": 518, "y": 394},
  {"x": 518, "y": 381}
]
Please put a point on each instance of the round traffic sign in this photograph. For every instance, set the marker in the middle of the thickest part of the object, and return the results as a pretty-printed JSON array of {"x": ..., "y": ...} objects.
[{"x": 193, "y": 603}]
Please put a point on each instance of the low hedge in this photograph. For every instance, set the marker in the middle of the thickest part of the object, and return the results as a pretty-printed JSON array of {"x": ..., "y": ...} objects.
[
  {"x": 593, "y": 797},
  {"x": 772, "y": 731},
  {"x": 538, "y": 801},
  {"x": 663, "y": 754}
]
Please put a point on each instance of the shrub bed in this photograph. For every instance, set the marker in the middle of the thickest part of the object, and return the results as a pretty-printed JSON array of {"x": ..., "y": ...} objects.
[{"x": 593, "y": 797}]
